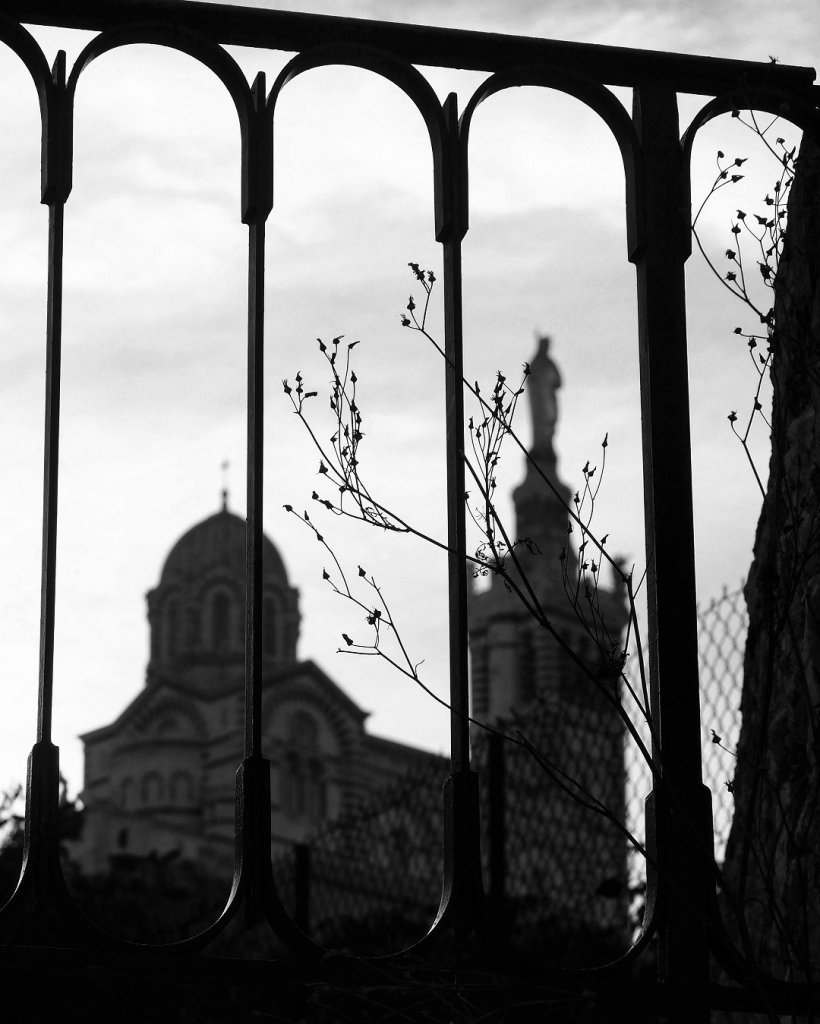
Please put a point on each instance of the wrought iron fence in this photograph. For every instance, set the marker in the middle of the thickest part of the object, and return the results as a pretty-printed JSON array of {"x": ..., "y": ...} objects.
[{"x": 41, "y": 925}]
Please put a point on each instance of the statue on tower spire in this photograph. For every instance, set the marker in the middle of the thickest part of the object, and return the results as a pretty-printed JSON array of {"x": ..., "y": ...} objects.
[
  {"x": 543, "y": 385},
  {"x": 542, "y": 498}
]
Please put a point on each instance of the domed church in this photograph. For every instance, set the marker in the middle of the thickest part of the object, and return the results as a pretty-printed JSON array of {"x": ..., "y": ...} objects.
[{"x": 161, "y": 777}]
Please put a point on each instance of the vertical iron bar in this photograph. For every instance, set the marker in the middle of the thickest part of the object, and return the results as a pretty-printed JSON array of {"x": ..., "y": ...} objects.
[
  {"x": 462, "y": 894},
  {"x": 456, "y": 526},
  {"x": 40, "y": 895},
  {"x": 253, "y": 582},
  {"x": 683, "y": 826},
  {"x": 253, "y": 777},
  {"x": 253, "y": 864},
  {"x": 55, "y": 178},
  {"x": 43, "y": 766},
  {"x": 50, "y": 469}
]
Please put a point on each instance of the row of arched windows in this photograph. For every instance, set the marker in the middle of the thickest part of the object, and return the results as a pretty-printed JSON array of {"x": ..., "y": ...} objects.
[
  {"x": 180, "y": 627},
  {"x": 151, "y": 789},
  {"x": 304, "y": 787}
]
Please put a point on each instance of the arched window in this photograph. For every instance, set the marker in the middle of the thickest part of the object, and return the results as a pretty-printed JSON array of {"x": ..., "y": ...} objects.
[
  {"x": 293, "y": 795},
  {"x": 127, "y": 794},
  {"x": 526, "y": 669},
  {"x": 156, "y": 639},
  {"x": 567, "y": 673},
  {"x": 269, "y": 625},
  {"x": 221, "y": 620},
  {"x": 304, "y": 788},
  {"x": 193, "y": 628},
  {"x": 172, "y": 632},
  {"x": 152, "y": 790},
  {"x": 182, "y": 788},
  {"x": 303, "y": 732},
  {"x": 316, "y": 795}
]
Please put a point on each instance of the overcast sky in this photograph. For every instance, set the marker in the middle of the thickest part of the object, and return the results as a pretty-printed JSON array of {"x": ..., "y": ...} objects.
[{"x": 154, "y": 331}]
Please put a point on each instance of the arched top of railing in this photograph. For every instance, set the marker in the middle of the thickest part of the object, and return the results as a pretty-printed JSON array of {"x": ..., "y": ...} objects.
[
  {"x": 213, "y": 57},
  {"x": 46, "y": 82},
  {"x": 591, "y": 93},
  {"x": 21, "y": 42},
  {"x": 791, "y": 107},
  {"x": 405, "y": 77},
  {"x": 200, "y": 47}
]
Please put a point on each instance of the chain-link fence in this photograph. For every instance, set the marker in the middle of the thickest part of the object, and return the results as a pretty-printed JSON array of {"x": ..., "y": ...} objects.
[
  {"x": 722, "y": 627},
  {"x": 554, "y": 859},
  {"x": 559, "y": 795},
  {"x": 370, "y": 881}
]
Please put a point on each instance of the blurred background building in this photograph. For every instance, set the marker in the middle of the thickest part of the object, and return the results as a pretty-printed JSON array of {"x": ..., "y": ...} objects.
[
  {"x": 161, "y": 777},
  {"x": 357, "y": 817}
]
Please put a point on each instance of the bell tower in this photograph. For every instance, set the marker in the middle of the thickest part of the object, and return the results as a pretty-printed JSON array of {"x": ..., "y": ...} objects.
[
  {"x": 550, "y": 675},
  {"x": 514, "y": 659}
]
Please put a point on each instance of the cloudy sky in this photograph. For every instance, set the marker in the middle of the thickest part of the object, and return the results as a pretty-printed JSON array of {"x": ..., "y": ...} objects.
[{"x": 154, "y": 330}]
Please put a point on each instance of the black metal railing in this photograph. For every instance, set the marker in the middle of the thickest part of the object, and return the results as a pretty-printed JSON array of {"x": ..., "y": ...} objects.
[{"x": 41, "y": 926}]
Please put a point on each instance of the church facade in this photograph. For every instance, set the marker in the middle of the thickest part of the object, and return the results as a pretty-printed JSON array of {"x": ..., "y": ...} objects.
[{"x": 161, "y": 776}]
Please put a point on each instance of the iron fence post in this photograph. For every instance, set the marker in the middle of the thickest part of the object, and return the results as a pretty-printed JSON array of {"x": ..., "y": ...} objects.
[
  {"x": 683, "y": 837},
  {"x": 42, "y": 886},
  {"x": 463, "y": 885}
]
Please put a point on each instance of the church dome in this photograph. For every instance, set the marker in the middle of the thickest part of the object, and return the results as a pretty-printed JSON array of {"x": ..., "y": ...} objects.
[
  {"x": 196, "y": 613},
  {"x": 218, "y": 542}
]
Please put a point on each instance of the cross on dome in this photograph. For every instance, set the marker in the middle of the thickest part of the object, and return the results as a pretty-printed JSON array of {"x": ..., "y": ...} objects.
[{"x": 224, "y": 466}]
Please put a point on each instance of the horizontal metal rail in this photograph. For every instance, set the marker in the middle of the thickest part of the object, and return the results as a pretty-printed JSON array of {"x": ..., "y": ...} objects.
[{"x": 419, "y": 44}]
